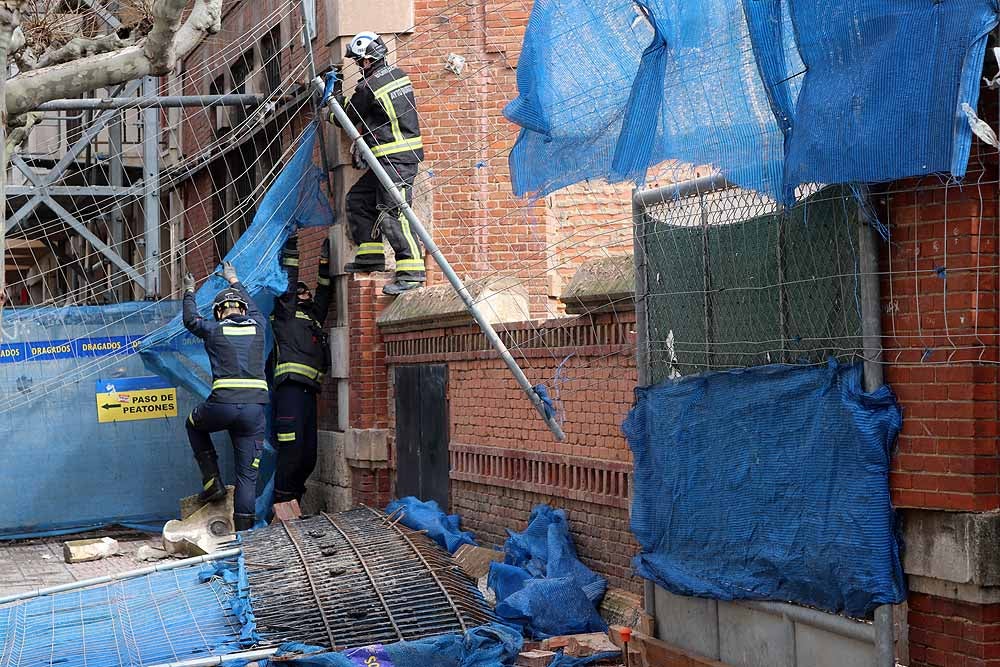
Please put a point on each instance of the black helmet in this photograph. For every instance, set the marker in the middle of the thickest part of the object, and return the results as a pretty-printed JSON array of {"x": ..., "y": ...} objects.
[
  {"x": 366, "y": 45},
  {"x": 227, "y": 298}
]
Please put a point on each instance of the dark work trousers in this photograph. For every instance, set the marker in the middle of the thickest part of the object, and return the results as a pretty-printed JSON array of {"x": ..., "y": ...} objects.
[
  {"x": 295, "y": 437},
  {"x": 246, "y": 424},
  {"x": 372, "y": 213}
]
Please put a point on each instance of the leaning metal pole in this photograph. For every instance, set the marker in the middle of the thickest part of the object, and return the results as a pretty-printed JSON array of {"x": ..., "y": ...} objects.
[
  {"x": 131, "y": 574},
  {"x": 257, "y": 654},
  {"x": 434, "y": 251}
]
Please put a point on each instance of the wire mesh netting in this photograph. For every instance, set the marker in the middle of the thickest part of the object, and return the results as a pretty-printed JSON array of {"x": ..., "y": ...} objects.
[
  {"x": 158, "y": 618},
  {"x": 736, "y": 281}
]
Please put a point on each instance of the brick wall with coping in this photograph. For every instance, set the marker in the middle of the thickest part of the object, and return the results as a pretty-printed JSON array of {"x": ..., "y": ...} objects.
[{"x": 503, "y": 459}]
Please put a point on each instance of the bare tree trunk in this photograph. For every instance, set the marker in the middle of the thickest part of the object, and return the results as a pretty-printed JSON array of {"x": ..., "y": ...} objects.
[{"x": 8, "y": 23}]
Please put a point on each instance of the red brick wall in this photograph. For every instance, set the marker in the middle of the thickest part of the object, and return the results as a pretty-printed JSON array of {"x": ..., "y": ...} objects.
[
  {"x": 945, "y": 633},
  {"x": 504, "y": 461},
  {"x": 939, "y": 296}
]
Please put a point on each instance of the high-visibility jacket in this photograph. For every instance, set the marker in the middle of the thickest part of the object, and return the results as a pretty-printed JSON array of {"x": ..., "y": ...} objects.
[
  {"x": 235, "y": 348},
  {"x": 385, "y": 111},
  {"x": 301, "y": 350}
]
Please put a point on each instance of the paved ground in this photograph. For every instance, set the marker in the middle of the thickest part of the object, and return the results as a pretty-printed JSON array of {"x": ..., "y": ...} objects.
[{"x": 31, "y": 564}]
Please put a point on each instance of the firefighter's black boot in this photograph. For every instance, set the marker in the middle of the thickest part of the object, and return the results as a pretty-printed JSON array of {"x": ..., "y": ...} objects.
[
  {"x": 355, "y": 267},
  {"x": 213, "y": 489},
  {"x": 243, "y": 522}
]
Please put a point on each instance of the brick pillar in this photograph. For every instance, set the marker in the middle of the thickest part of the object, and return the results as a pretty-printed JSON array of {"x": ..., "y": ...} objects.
[
  {"x": 940, "y": 315},
  {"x": 366, "y": 440}
]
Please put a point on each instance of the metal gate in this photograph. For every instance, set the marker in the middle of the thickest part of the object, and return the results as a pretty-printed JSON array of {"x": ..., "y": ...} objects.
[
  {"x": 727, "y": 279},
  {"x": 422, "y": 432}
]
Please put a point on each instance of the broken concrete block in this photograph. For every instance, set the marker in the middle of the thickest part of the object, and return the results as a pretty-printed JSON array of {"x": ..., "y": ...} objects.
[
  {"x": 203, "y": 531},
  {"x": 534, "y": 658},
  {"x": 146, "y": 552},
  {"x": 586, "y": 645},
  {"x": 82, "y": 551},
  {"x": 475, "y": 561},
  {"x": 287, "y": 511}
]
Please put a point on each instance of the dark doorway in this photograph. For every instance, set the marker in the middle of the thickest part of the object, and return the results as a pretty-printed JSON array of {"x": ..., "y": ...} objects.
[{"x": 422, "y": 432}]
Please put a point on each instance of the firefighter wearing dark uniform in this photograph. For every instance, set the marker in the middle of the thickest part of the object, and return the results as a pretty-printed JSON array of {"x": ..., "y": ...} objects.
[
  {"x": 301, "y": 356},
  {"x": 385, "y": 111},
  {"x": 234, "y": 342}
]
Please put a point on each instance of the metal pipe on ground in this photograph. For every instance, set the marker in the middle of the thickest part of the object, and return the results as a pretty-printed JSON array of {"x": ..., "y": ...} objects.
[
  {"x": 259, "y": 654},
  {"x": 119, "y": 576},
  {"x": 434, "y": 251}
]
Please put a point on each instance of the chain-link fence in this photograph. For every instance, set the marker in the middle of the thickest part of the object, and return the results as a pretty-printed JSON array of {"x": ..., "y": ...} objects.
[{"x": 732, "y": 280}]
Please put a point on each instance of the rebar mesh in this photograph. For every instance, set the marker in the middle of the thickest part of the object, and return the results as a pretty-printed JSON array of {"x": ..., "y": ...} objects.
[{"x": 734, "y": 281}]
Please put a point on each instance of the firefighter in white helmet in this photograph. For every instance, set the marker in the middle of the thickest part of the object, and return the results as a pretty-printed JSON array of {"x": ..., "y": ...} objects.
[{"x": 385, "y": 112}]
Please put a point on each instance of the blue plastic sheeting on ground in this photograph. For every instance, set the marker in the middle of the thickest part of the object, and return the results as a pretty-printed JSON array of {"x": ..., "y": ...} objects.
[
  {"x": 294, "y": 200},
  {"x": 445, "y": 529},
  {"x": 785, "y": 498},
  {"x": 486, "y": 646},
  {"x": 548, "y": 607},
  {"x": 161, "y": 617},
  {"x": 545, "y": 549},
  {"x": 66, "y": 470},
  {"x": 542, "y": 587},
  {"x": 608, "y": 88}
]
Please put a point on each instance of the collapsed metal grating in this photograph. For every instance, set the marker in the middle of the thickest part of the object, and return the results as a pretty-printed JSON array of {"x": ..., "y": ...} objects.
[{"x": 356, "y": 578}]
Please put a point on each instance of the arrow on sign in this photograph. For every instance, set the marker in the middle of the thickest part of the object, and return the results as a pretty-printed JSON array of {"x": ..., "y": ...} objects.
[{"x": 106, "y": 406}]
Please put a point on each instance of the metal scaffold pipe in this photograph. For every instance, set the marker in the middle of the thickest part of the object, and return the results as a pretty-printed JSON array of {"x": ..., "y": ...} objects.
[
  {"x": 131, "y": 574},
  {"x": 157, "y": 101},
  {"x": 434, "y": 251}
]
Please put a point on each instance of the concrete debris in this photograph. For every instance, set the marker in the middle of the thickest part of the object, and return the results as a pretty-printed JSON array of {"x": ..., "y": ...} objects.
[
  {"x": 619, "y": 607},
  {"x": 475, "y": 561},
  {"x": 202, "y": 531},
  {"x": 82, "y": 551},
  {"x": 488, "y": 594},
  {"x": 287, "y": 511},
  {"x": 535, "y": 658},
  {"x": 584, "y": 646},
  {"x": 146, "y": 552}
]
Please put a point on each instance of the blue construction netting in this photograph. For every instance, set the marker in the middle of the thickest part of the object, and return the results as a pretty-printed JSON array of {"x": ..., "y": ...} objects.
[
  {"x": 163, "y": 617},
  {"x": 445, "y": 529},
  {"x": 786, "y": 499},
  {"x": 772, "y": 93},
  {"x": 66, "y": 470},
  {"x": 486, "y": 646},
  {"x": 542, "y": 587}
]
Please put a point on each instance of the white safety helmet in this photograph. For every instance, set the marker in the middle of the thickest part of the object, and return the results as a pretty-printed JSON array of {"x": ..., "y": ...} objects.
[{"x": 366, "y": 45}]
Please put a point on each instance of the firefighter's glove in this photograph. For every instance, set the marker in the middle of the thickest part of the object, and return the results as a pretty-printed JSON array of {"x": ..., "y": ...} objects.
[
  {"x": 229, "y": 272},
  {"x": 189, "y": 282},
  {"x": 324, "y": 251},
  {"x": 357, "y": 161}
]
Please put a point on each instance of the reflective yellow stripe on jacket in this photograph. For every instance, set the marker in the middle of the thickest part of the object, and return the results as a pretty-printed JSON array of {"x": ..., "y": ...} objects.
[
  {"x": 239, "y": 383},
  {"x": 298, "y": 369}
]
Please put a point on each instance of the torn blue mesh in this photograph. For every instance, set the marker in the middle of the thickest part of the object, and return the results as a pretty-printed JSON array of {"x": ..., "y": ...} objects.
[{"x": 771, "y": 93}]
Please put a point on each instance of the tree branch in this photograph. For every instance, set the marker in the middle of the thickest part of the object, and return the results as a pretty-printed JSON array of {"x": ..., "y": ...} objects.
[
  {"x": 82, "y": 47},
  {"x": 155, "y": 57}
]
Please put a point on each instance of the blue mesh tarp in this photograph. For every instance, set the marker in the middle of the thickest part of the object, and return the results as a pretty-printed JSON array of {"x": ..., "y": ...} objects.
[
  {"x": 542, "y": 587},
  {"x": 163, "y": 617},
  {"x": 486, "y": 646},
  {"x": 608, "y": 88},
  {"x": 63, "y": 469},
  {"x": 445, "y": 529},
  {"x": 786, "y": 498}
]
